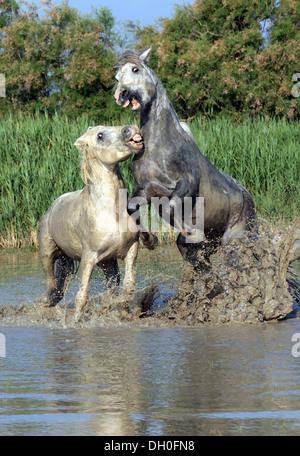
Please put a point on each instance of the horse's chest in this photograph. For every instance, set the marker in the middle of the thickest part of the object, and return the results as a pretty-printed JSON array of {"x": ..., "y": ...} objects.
[
  {"x": 110, "y": 232},
  {"x": 105, "y": 222},
  {"x": 155, "y": 175}
]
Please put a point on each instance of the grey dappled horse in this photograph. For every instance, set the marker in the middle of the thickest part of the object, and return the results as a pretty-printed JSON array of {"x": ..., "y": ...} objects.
[
  {"x": 84, "y": 225},
  {"x": 172, "y": 166}
]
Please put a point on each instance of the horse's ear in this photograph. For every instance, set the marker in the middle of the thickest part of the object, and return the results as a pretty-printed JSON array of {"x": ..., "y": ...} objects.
[
  {"x": 80, "y": 142},
  {"x": 145, "y": 56}
]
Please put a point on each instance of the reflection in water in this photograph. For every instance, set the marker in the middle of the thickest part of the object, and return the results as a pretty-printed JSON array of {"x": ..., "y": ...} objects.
[{"x": 124, "y": 379}]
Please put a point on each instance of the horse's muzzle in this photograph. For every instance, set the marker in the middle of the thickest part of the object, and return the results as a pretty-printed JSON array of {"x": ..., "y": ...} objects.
[
  {"x": 121, "y": 96},
  {"x": 132, "y": 136}
]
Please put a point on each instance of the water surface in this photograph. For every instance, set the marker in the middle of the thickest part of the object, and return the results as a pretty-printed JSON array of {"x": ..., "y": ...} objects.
[{"x": 121, "y": 379}]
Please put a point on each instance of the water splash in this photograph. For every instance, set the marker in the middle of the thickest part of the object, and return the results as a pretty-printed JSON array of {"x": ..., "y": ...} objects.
[{"x": 247, "y": 282}]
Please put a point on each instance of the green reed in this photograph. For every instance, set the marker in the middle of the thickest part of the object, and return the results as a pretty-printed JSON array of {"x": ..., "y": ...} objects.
[
  {"x": 263, "y": 154},
  {"x": 39, "y": 162}
]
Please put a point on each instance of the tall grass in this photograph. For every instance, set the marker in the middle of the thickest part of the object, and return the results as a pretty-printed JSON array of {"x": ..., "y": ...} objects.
[
  {"x": 264, "y": 155},
  {"x": 39, "y": 162}
]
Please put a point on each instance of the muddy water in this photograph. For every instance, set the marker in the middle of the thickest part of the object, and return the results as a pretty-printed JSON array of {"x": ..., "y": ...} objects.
[{"x": 127, "y": 379}]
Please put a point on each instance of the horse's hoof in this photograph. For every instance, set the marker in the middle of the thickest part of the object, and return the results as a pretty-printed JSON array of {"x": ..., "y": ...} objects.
[
  {"x": 150, "y": 241},
  {"x": 43, "y": 301},
  {"x": 218, "y": 289}
]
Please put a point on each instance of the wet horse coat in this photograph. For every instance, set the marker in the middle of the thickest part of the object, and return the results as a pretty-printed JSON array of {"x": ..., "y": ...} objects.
[
  {"x": 84, "y": 225},
  {"x": 171, "y": 164}
]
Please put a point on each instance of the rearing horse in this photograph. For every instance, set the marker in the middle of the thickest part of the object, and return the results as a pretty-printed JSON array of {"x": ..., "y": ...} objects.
[{"x": 171, "y": 165}]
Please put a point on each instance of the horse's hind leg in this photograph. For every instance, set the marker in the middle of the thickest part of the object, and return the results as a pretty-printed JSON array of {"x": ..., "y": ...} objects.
[
  {"x": 198, "y": 254},
  {"x": 111, "y": 271},
  {"x": 64, "y": 267},
  {"x": 246, "y": 222},
  {"x": 244, "y": 227},
  {"x": 195, "y": 253}
]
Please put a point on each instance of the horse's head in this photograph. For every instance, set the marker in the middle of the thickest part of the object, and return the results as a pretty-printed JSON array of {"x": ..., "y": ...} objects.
[
  {"x": 111, "y": 145},
  {"x": 135, "y": 80},
  {"x": 108, "y": 145}
]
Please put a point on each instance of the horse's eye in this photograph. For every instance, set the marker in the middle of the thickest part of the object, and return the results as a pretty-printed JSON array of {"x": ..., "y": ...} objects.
[
  {"x": 100, "y": 135},
  {"x": 135, "y": 70}
]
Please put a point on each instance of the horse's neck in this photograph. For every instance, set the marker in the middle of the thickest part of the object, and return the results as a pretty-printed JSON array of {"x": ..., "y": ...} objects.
[
  {"x": 106, "y": 182},
  {"x": 159, "y": 116}
]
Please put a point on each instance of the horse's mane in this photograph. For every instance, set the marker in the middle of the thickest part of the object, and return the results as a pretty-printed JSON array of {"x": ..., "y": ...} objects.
[
  {"x": 88, "y": 165},
  {"x": 128, "y": 56}
]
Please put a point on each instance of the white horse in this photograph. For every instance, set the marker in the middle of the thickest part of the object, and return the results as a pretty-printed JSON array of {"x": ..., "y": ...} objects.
[{"x": 85, "y": 225}]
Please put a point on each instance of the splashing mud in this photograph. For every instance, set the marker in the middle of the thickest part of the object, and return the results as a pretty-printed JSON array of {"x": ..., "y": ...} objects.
[
  {"x": 249, "y": 281},
  {"x": 116, "y": 305}
]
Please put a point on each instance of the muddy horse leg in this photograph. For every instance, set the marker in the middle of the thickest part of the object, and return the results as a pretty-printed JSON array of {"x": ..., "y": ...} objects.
[
  {"x": 130, "y": 261},
  {"x": 85, "y": 271},
  {"x": 197, "y": 253},
  {"x": 244, "y": 226},
  {"x": 47, "y": 252},
  {"x": 56, "y": 271},
  {"x": 63, "y": 268},
  {"x": 111, "y": 271}
]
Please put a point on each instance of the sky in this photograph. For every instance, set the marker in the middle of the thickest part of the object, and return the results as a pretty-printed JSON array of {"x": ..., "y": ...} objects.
[{"x": 145, "y": 12}]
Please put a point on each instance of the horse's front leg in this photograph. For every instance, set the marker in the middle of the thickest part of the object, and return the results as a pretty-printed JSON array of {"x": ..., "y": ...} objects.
[
  {"x": 85, "y": 271},
  {"x": 137, "y": 200},
  {"x": 130, "y": 261},
  {"x": 183, "y": 208}
]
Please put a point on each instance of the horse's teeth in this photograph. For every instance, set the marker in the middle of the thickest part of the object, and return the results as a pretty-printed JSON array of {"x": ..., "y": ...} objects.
[{"x": 137, "y": 138}]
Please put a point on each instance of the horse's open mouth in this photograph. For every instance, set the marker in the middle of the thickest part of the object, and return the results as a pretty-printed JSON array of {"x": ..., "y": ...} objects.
[
  {"x": 135, "y": 104},
  {"x": 136, "y": 141}
]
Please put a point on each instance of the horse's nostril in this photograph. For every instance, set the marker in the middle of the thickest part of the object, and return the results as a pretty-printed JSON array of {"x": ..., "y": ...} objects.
[
  {"x": 126, "y": 130},
  {"x": 124, "y": 93}
]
